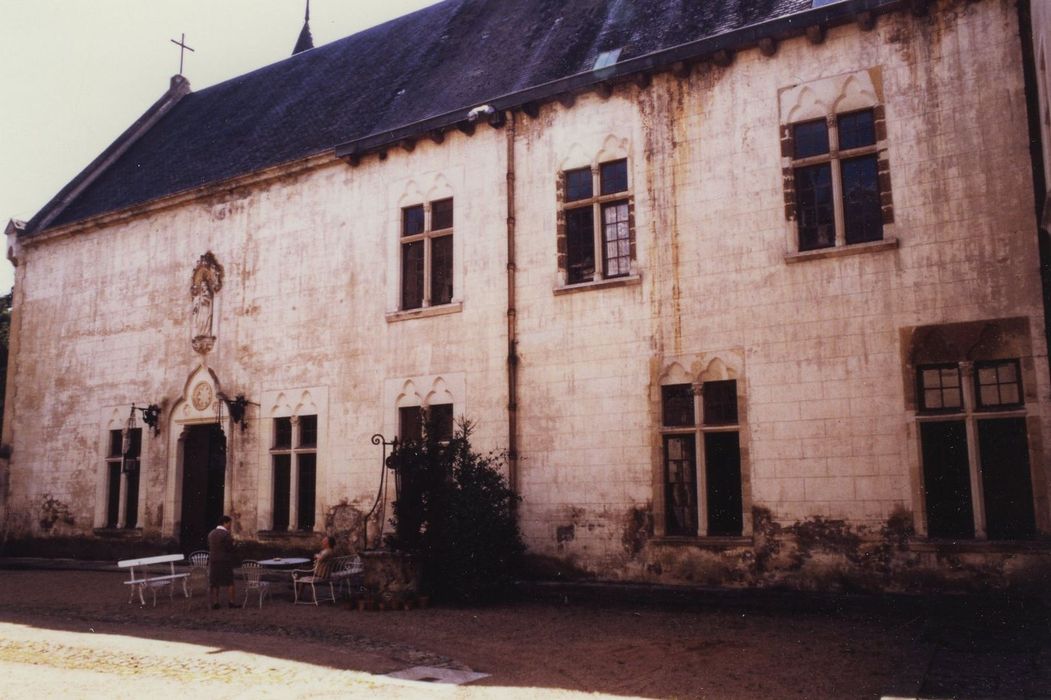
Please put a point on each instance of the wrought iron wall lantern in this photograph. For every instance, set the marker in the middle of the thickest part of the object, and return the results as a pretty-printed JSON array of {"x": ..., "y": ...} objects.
[
  {"x": 237, "y": 407},
  {"x": 151, "y": 416}
]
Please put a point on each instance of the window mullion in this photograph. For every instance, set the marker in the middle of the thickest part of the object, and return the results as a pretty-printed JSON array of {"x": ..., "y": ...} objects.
[
  {"x": 837, "y": 183},
  {"x": 428, "y": 259},
  {"x": 293, "y": 478},
  {"x": 701, "y": 476},
  {"x": 596, "y": 226},
  {"x": 973, "y": 458},
  {"x": 122, "y": 494}
]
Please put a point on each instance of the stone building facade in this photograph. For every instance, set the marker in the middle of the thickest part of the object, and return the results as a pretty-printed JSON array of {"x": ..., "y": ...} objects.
[{"x": 766, "y": 309}]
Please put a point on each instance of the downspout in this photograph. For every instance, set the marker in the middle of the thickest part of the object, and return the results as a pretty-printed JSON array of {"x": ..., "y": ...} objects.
[{"x": 512, "y": 325}]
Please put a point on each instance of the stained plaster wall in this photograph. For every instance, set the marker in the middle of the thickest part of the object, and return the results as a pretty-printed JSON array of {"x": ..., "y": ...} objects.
[{"x": 311, "y": 281}]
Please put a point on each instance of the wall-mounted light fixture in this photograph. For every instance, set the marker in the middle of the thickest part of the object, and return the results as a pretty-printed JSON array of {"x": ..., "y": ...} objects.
[
  {"x": 237, "y": 406},
  {"x": 151, "y": 416}
]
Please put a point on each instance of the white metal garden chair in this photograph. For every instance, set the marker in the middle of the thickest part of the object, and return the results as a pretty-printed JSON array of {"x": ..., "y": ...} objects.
[
  {"x": 199, "y": 569},
  {"x": 252, "y": 574}
]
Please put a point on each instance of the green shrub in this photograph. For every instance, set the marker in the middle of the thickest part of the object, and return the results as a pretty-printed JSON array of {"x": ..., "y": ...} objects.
[{"x": 456, "y": 513}]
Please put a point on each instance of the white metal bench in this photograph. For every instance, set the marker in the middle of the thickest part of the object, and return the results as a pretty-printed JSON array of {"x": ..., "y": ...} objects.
[{"x": 146, "y": 574}]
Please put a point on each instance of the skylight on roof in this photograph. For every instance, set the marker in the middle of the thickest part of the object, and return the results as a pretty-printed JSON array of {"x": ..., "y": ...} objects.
[
  {"x": 606, "y": 59},
  {"x": 822, "y": 3}
]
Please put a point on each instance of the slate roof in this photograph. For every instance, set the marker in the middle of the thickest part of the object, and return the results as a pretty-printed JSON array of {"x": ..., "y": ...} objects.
[{"x": 453, "y": 55}]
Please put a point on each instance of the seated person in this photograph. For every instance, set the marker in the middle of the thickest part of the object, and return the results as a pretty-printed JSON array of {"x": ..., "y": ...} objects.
[{"x": 323, "y": 559}]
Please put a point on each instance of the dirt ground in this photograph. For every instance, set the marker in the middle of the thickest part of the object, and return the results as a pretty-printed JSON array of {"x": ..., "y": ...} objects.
[{"x": 74, "y": 634}]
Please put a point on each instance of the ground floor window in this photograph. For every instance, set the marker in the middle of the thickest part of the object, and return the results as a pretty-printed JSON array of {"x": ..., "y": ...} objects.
[
  {"x": 974, "y": 447},
  {"x": 701, "y": 459},
  {"x": 294, "y": 461},
  {"x": 437, "y": 417},
  {"x": 122, "y": 478}
]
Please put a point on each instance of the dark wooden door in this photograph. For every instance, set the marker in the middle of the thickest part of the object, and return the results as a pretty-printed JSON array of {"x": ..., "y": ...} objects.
[{"x": 203, "y": 484}]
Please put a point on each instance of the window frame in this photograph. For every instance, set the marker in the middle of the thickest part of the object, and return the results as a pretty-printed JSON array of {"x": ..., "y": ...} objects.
[
  {"x": 294, "y": 450},
  {"x": 427, "y": 237},
  {"x": 835, "y": 157},
  {"x": 598, "y": 203},
  {"x": 970, "y": 413},
  {"x": 698, "y": 430},
  {"x": 114, "y": 437}
]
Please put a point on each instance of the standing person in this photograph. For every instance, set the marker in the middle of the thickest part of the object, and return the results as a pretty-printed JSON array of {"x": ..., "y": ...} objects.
[{"x": 221, "y": 562}]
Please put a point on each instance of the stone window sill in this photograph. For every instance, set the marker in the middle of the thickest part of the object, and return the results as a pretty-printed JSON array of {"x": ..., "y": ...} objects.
[
  {"x": 627, "y": 281},
  {"x": 838, "y": 252},
  {"x": 424, "y": 312},
  {"x": 118, "y": 532},
  {"x": 978, "y": 546},
  {"x": 286, "y": 534},
  {"x": 714, "y": 542}
]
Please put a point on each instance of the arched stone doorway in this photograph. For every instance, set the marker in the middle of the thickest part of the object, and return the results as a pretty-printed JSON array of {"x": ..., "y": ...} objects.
[{"x": 199, "y": 484}]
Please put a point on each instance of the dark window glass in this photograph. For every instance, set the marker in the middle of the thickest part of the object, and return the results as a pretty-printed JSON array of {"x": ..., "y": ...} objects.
[
  {"x": 1003, "y": 445},
  {"x": 578, "y": 184},
  {"x": 720, "y": 402},
  {"x": 412, "y": 220},
  {"x": 282, "y": 433},
  {"x": 441, "y": 214},
  {"x": 113, "y": 490},
  {"x": 440, "y": 421},
  {"x": 282, "y": 490},
  {"x": 861, "y": 206},
  {"x": 412, "y": 275},
  {"x": 856, "y": 129},
  {"x": 580, "y": 245},
  {"x": 814, "y": 209},
  {"x": 307, "y": 431},
  {"x": 680, "y": 485},
  {"x": 677, "y": 405},
  {"x": 134, "y": 443},
  {"x": 613, "y": 176},
  {"x": 116, "y": 443},
  {"x": 307, "y": 474},
  {"x": 998, "y": 384},
  {"x": 410, "y": 424},
  {"x": 616, "y": 253},
  {"x": 441, "y": 270},
  {"x": 810, "y": 138},
  {"x": 947, "y": 479},
  {"x": 131, "y": 498},
  {"x": 939, "y": 388},
  {"x": 722, "y": 468}
]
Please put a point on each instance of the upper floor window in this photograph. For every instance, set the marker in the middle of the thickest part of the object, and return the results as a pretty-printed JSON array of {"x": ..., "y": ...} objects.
[
  {"x": 835, "y": 171},
  {"x": 596, "y": 236},
  {"x": 427, "y": 254}
]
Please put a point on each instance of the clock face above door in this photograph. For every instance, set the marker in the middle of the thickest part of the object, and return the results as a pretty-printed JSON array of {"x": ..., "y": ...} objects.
[{"x": 202, "y": 396}]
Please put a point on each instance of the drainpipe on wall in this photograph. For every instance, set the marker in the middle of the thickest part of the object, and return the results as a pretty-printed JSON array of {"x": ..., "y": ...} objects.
[{"x": 512, "y": 339}]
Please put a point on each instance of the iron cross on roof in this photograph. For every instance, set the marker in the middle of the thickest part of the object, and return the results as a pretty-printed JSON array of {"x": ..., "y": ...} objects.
[{"x": 183, "y": 48}]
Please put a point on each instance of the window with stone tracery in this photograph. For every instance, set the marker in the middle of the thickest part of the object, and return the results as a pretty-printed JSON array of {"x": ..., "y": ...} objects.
[{"x": 293, "y": 457}]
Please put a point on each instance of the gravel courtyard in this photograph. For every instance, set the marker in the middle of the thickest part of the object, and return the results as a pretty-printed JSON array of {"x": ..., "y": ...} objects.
[{"x": 73, "y": 634}]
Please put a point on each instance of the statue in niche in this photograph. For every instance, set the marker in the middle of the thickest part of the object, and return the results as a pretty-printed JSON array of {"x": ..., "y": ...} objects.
[{"x": 206, "y": 282}]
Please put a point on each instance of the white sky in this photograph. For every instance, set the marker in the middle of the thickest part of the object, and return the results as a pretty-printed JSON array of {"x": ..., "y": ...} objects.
[{"x": 75, "y": 73}]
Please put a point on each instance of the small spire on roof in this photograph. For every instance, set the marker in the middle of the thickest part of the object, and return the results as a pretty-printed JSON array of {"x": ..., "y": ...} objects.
[{"x": 305, "y": 41}]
